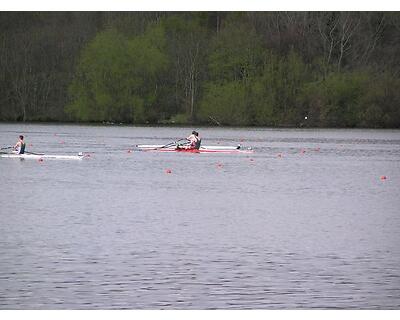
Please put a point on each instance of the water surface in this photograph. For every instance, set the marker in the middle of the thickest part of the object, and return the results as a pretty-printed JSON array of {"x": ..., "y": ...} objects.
[{"x": 304, "y": 222}]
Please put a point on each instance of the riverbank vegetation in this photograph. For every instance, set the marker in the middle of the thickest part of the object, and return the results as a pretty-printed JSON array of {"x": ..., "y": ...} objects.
[{"x": 320, "y": 69}]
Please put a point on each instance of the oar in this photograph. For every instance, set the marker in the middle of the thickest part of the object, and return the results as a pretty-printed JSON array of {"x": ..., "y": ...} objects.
[
  {"x": 36, "y": 154},
  {"x": 170, "y": 144},
  {"x": 4, "y": 148},
  {"x": 184, "y": 143},
  {"x": 166, "y": 146}
]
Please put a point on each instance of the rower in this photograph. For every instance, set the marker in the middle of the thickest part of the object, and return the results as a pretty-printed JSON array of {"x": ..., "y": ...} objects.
[
  {"x": 19, "y": 147},
  {"x": 194, "y": 140}
]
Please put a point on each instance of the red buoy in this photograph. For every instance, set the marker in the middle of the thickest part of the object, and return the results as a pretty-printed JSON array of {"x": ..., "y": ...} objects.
[
  {"x": 383, "y": 178},
  {"x": 129, "y": 151},
  {"x": 168, "y": 171}
]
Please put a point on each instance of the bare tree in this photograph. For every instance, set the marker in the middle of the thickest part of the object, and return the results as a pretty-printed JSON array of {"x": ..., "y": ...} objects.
[
  {"x": 348, "y": 25},
  {"x": 327, "y": 24}
]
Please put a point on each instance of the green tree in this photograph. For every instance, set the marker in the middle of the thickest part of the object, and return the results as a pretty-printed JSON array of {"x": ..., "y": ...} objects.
[
  {"x": 225, "y": 103},
  {"x": 117, "y": 77},
  {"x": 187, "y": 47},
  {"x": 234, "y": 62},
  {"x": 379, "y": 103},
  {"x": 237, "y": 53},
  {"x": 335, "y": 100},
  {"x": 276, "y": 91}
]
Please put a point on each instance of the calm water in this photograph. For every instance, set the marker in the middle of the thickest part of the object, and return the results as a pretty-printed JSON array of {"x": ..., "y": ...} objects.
[{"x": 312, "y": 229}]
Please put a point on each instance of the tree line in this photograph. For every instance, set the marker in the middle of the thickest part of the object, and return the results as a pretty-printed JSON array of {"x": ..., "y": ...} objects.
[{"x": 322, "y": 69}]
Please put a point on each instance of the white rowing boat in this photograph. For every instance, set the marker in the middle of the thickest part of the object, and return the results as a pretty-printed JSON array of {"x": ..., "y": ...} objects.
[
  {"x": 42, "y": 156},
  {"x": 158, "y": 146},
  {"x": 203, "y": 149}
]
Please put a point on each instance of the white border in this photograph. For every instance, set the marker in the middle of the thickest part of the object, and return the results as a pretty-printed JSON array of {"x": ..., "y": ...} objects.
[
  {"x": 200, "y": 5},
  {"x": 202, "y": 314}
]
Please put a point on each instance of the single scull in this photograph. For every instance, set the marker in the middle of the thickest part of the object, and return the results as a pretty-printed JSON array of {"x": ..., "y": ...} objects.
[
  {"x": 203, "y": 149},
  {"x": 41, "y": 156}
]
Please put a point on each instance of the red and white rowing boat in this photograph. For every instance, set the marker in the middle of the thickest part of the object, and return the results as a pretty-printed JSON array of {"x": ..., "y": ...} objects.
[{"x": 203, "y": 149}]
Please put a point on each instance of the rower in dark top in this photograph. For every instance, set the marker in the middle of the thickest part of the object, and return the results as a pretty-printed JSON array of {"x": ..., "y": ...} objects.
[
  {"x": 194, "y": 140},
  {"x": 19, "y": 147}
]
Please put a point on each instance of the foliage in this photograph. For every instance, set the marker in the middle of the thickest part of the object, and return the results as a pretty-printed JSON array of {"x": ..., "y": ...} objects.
[
  {"x": 338, "y": 69},
  {"x": 380, "y": 101},
  {"x": 354, "y": 99},
  {"x": 335, "y": 99},
  {"x": 117, "y": 77},
  {"x": 236, "y": 54},
  {"x": 226, "y": 103},
  {"x": 187, "y": 43}
]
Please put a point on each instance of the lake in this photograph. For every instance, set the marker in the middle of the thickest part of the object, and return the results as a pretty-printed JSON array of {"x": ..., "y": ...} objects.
[{"x": 306, "y": 221}]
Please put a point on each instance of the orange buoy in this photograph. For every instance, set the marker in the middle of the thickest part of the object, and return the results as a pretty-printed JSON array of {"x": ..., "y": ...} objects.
[{"x": 383, "y": 178}]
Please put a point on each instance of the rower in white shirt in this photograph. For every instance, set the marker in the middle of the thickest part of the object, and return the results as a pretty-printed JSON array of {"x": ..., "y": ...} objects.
[{"x": 194, "y": 140}]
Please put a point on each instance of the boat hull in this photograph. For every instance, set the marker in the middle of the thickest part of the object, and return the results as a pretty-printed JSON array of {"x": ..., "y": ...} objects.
[
  {"x": 41, "y": 156},
  {"x": 205, "y": 149},
  {"x": 202, "y": 151},
  {"x": 160, "y": 146}
]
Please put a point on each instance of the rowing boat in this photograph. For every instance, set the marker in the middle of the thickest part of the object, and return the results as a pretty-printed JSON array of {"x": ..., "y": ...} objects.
[
  {"x": 160, "y": 146},
  {"x": 203, "y": 149},
  {"x": 42, "y": 156}
]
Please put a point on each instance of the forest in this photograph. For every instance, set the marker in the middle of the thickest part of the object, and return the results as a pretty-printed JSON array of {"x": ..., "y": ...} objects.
[{"x": 276, "y": 69}]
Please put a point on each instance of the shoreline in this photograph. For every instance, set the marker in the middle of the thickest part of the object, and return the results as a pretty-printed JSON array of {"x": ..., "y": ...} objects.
[{"x": 188, "y": 125}]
